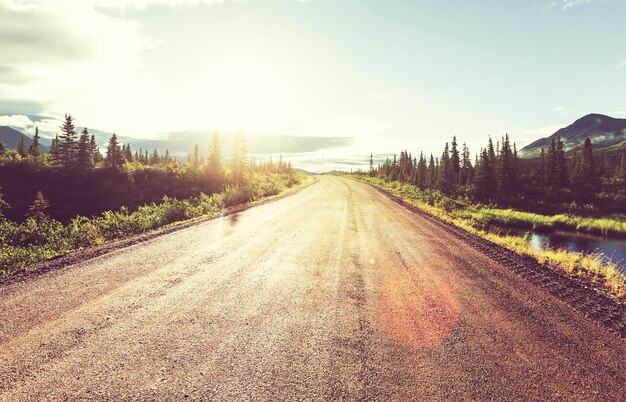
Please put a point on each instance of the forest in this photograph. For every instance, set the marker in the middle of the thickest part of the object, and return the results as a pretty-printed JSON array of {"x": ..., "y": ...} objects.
[
  {"x": 577, "y": 181},
  {"x": 73, "y": 196}
]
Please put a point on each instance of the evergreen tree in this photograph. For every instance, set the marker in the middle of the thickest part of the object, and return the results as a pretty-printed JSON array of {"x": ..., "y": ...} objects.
[
  {"x": 455, "y": 160},
  {"x": 55, "y": 158},
  {"x": 446, "y": 178},
  {"x": 33, "y": 149},
  {"x": 67, "y": 144},
  {"x": 422, "y": 172},
  {"x": 465, "y": 177},
  {"x": 238, "y": 161},
  {"x": 371, "y": 164},
  {"x": 432, "y": 172},
  {"x": 85, "y": 154},
  {"x": 21, "y": 147},
  {"x": 215, "y": 170},
  {"x": 96, "y": 156},
  {"x": 585, "y": 180},
  {"x": 155, "y": 159},
  {"x": 114, "y": 157},
  {"x": 37, "y": 209},
  {"x": 196, "y": 156},
  {"x": 506, "y": 170},
  {"x": 3, "y": 150},
  {"x": 621, "y": 172}
]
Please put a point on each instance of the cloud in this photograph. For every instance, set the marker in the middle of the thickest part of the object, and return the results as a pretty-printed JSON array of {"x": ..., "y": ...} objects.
[
  {"x": 48, "y": 127},
  {"x": 563, "y": 4}
]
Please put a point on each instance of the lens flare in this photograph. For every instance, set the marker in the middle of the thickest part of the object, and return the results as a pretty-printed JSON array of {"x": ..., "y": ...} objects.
[{"x": 415, "y": 314}]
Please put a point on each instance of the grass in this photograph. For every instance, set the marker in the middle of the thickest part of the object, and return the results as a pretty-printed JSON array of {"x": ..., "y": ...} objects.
[
  {"x": 476, "y": 219},
  {"x": 33, "y": 241}
]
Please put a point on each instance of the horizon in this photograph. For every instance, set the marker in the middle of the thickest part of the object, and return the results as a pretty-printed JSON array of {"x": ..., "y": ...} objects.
[{"x": 388, "y": 76}]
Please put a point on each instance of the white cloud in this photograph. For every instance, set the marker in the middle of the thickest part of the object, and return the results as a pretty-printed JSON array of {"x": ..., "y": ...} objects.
[{"x": 563, "y": 4}]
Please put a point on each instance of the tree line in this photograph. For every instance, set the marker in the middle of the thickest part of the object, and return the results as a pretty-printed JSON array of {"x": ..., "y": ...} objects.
[
  {"x": 79, "y": 179},
  {"x": 498, "y": 175}
]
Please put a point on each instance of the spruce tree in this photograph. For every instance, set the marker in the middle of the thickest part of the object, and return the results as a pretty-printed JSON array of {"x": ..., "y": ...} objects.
[
  {"x": 446, "y": 178},
  {"x": 238, "y": 161},
  {"x": 55, "y": 158},
  {"x": 3, "y": 150},
  {"x": 33, "y": 149},
  {"x": 466, "y": 173},
  {"x": 96, "y": 156},
  {"x": 21, "y": 147},
  {"x": 196, "y": 156},
  {"x": 85, "y": 154},
  {"x": 455, "y": 160},
  {"x": 67, "y": 145},
  {"x": 585, "y": 180},
  {"x": 114, "y": 157},
  {"x": 37, "y": 209},
  {"x": 371, "y": 165},
  {"x": 432, "y": 172},
  {"x": 215, "y": 170}
]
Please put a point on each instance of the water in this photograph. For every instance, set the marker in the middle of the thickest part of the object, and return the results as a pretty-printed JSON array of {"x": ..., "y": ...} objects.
[{"x": 610, "y": 249}]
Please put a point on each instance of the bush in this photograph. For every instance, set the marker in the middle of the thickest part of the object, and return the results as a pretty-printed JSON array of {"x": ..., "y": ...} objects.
[{"x": 31, "y": 241}]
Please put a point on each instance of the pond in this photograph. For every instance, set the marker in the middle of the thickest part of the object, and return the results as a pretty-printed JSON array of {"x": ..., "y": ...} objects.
[{"x": 610, "y": 249}]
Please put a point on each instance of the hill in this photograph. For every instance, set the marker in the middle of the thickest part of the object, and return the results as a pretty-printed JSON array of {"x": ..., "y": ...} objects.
[
  {"x": 604, "y": 132},
  {"x": 10, "y": 138}
]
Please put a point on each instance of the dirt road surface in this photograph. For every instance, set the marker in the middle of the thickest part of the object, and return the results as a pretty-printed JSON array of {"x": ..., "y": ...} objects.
[{"x": 335, "y": 293}]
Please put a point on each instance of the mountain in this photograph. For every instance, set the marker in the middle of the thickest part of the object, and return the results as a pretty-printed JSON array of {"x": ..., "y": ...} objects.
[
  {"x": 10, "y": 138},
  {"x": 604, "y": 132},
  {"x": 182, "y": 143}
]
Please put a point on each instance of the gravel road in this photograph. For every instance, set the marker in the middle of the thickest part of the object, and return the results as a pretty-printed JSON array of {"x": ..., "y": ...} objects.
[{"x": 334, "y": 293}]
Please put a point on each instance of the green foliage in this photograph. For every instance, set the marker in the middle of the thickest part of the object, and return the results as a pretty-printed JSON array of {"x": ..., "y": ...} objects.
[
  {"x": 478, "y": 219},
  {"x": 36, "y": 240}
]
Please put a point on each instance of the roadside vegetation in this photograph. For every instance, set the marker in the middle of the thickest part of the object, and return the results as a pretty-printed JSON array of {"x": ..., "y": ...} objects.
[
  {"x": 588, "y": 267},
  {"x": 97, "y": 198},
  {"x": 499, "y": 191}
]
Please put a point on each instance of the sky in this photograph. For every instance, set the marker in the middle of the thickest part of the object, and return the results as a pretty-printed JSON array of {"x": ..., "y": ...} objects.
[{"x": 389, "y": 74}]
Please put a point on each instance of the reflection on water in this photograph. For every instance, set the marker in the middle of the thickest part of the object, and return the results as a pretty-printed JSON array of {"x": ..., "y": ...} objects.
[{"x": 610, "y": 249}]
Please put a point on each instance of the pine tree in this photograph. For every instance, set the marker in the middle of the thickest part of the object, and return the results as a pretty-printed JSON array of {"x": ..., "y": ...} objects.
[
  {"x": 455, "y": 160},
  {"x": 621, "y": 172},
  {"x": 585, "y": 180},
  {"x": 96, "y": 156},
  {"x": 446, "y": 178},
  {"x": 3, "y": 150},
  {"x": 114, "y": 157},
  {"x": 37, "y": 209},
  {"x": 465, "y": 177},
  {"x": 33, "y": 149},
  {"x": 542, "y": 169},
  {"x": 67, "y": 144},
  {"x": 196, "y": 156},
  {"x": 238, "y": 161},
  {"x": 215, "y": 170},
  {"x": 85, "y": 154},
  {"x": 422, "y": 172},
  {"x": 371, "y": 165},
  {"x": 432, "y": 172},
  {"x": 506, "y": 170},
  {"x": 154, "y": 158},
  {"x": 55, "y": 158},
  {"x": 21, "y": 147}
]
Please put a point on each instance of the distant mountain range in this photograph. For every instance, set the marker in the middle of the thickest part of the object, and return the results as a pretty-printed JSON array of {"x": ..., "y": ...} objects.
[
  {"x": 180, "y": 144},
  {"x": 603, "y": 131},
  {"x": 10, "y": 138}
]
